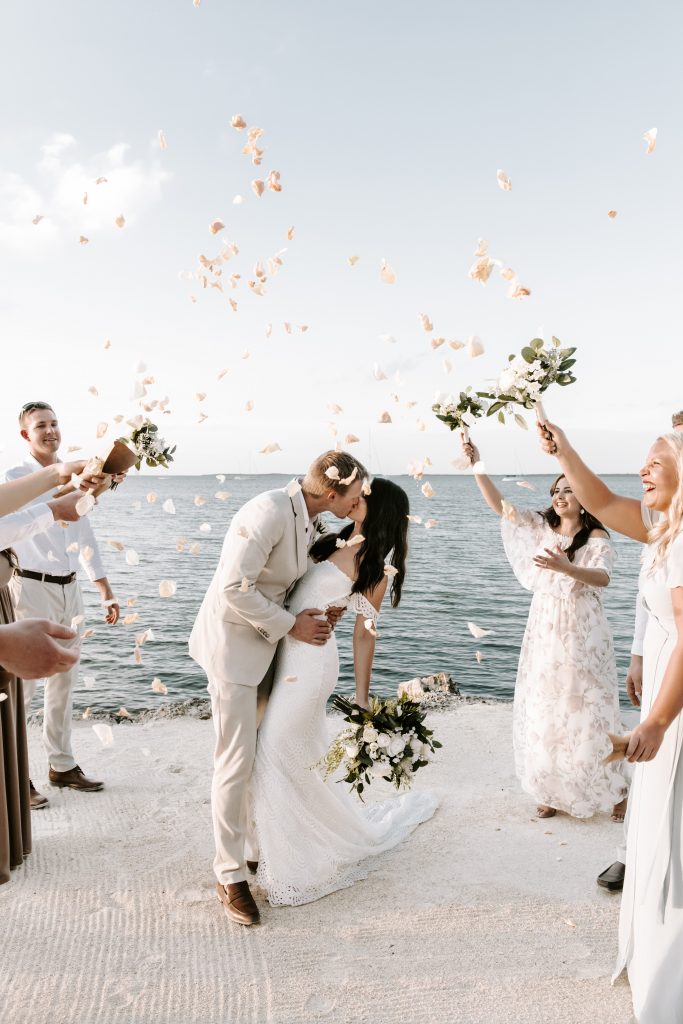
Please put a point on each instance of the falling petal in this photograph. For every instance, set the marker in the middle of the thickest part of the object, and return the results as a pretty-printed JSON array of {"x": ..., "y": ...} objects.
[
  {"x": 290, "y": 679},
  {"x": 87, "y": 552},
  {"x": 390, "y": 570},
  {"x": 152, "y": 497},
  {"x": 215, "y": 226},
  {"x": 431, "y": 523},
  {"x": 426, "y": 323},
  {"x": 651, "y": 139},
  {"x": 378, "y": 373},
  {"x": 104, "y": 734},
  {"x": 508, "y": 274},
  {"x": 100, "y": 181},
  {"x": 352, "y": 260},
  {"x": 85, "y": 504},
  {"x": 481, "y": 270},
  {"x": 384, "y": 418},
  {"x": 503, "y": 181},
  {"x": 474, "y": 347},
  {"x": 222, "y": 495},
  {"x": 199, "y": 500},
  {"x": 167, "y": 588},
  {"x": 238, "y": 122},
  {"x": 521, "y": 422},
  {"x": 83, "y": 240},
  {"x": 72, "y": 548},
  {"x": 479, "y": 656},
  {"x": 222, "y": 374},
  {"x": 242, "y": 532},
  {"x": 351, "y": 439},
  {"x": 132, "y": 557},
  {"x": 525, "y": 484},
  {"x": 611, "y": 214},
  {"x": 386, "y": 273},
  {"x": 274, "y": 181},
  {"x": 89, "y": 682},
  {"x": 269, "y": 449},
  {"x": 370, "y": 626},
  {"x": 92, "y": 390},
  {"x": 427, "y": 490},
  {"x": 159, "y": 687},
  {"x": 87, "y": 634},
  {"x": 128, "y": 620},
  {"x": 202, "y": 416},
  {"x": 137, "y": 656},
  {"x": 37, "y": 219},
  {"x": 116, "y": 545},
  {"x": 205, "y": 528},
  {"x": 518, "y": 292},
  {"x": 162, "y": 139},
  {"x": 102, "y": 429},
  {"x": 169, "y": 507},
  {"x": 415, "y": 519},
  {"x": 257, "y": 187},
  {"x": 195, "y": 548},
  {"x": 120, "y": 221},
  {"x": 477, "y": 632},
  {"x": 77, "y": 619},
  {"x": 332, "y": 473},
  {"x": 249, "y": 406},
  {"x": 437, "y": 342}
]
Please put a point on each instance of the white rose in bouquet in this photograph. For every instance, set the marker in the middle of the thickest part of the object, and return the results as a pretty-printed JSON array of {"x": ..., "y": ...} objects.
[
  {"x": 352, "y": 750},
  {"x": 380, "y": 771},
  {"x": 384, "y": 741},
  {"x": 373, "y": 750},
  {"x": 425, "y": 752},
  {"x": 507, "y": 379},
  {"x": 369, "y": 734},
  {"x": 397, "y": 745}
]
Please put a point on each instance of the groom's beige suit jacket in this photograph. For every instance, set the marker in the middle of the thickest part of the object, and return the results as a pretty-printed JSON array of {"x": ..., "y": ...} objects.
[{"x": 243, "y": 614}]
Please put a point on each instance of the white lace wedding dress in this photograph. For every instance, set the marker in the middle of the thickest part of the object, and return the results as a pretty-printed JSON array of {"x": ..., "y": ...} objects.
[
  {"x": 566, "y": 694},
  {"x": 314, "y": 836}
]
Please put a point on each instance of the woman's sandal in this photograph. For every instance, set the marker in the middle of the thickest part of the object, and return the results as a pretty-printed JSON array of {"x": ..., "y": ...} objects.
[
  {"x": 619, "y": 811},
  {"x": 545, "y": 812}
]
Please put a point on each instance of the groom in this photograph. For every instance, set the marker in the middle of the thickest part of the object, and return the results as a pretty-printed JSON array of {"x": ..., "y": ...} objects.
[{"x": 235, "y": 636}]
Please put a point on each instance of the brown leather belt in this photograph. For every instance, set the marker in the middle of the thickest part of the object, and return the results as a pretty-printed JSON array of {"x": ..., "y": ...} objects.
[{"x": 44, "y": 577}]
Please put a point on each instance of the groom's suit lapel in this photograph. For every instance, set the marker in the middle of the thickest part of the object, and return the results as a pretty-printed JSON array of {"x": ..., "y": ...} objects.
[{"x": 300, "y": 530}]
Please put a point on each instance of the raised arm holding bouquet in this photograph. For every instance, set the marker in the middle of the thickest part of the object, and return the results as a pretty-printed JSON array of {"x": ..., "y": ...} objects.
[{"x": 651, "y": 923}]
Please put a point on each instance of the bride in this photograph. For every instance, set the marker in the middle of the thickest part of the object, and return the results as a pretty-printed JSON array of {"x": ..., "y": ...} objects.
[{"x": 313, "y": 835}]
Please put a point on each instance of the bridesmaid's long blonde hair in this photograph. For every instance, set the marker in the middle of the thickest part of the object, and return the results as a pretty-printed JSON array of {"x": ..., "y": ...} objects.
[{"x": 667, "y": 529}]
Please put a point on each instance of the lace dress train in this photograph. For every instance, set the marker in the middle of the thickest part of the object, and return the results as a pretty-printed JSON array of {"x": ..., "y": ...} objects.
[{"x": 314, "y": 836}]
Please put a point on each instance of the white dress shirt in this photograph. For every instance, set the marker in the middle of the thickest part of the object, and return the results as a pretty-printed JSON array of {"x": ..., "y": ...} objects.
[
  {"x": 46, "y": 551},
  {"x": 17, "y": 526}
]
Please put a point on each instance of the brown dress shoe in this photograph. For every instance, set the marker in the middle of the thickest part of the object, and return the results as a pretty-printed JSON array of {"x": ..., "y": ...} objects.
[
  {"x": 238, "y": 902},
  {"x": 252, "y": 865},
  {"x": 38, "y": 801},
  {"x": 74, "y": 779}
]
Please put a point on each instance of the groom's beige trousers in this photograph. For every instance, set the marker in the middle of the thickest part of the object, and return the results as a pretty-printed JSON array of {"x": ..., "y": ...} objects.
[{"x": 237, "y": 712}]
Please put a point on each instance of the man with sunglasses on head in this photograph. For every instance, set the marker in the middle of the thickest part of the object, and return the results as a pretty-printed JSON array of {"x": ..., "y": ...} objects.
[{"x": 45, "y": 587}]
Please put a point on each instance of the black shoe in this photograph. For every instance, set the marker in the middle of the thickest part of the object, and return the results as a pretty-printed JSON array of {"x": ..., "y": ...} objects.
[
  {"x": 612, "y": 878},
  {"x": 252, "y": 865}
]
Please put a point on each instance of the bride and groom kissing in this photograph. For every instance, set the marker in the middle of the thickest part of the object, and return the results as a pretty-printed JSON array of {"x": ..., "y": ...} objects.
[{"x": 264, "y": 635}]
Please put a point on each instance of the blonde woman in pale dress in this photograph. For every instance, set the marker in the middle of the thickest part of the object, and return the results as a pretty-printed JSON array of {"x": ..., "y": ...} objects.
[
  {"x": 566, "y": 693},
  {"x": 651, "y": 923}
]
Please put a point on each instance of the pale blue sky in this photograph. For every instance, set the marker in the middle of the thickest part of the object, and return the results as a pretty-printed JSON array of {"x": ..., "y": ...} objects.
[{"x": 388, "y": 122}]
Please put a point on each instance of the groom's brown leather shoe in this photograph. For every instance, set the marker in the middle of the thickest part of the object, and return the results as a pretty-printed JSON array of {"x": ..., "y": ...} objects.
[
  {"x": 238, "y": 902},
  {"x": 74, "y": 779}
]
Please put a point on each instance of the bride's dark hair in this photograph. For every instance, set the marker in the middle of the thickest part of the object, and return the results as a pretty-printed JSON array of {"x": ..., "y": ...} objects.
[
  {"x": 385, "y": 529},
  {"x": 588, "y": 523}
]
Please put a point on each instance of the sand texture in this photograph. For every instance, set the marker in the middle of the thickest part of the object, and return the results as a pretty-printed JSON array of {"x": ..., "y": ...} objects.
[{"x": 486, "y": 915}]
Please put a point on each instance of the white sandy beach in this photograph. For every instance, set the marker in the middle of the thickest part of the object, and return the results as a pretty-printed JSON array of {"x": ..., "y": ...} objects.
[{"x": 486, "y": 915}]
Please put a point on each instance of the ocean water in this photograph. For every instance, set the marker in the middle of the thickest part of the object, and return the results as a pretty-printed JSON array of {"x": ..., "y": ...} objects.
[{"x": 457, "y": 572}]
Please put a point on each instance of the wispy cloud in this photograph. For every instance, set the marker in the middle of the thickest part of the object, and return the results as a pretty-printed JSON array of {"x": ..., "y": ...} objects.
[{"x": 64, "y": 192}]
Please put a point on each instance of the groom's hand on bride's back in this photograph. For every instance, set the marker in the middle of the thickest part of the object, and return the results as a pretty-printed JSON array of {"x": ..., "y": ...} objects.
[{"x": 310, "y": 629}]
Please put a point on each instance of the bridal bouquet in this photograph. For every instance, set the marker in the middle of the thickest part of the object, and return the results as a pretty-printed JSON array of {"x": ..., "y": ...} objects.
[
  {"x": 528, "y": 376},
  {"x": 148, "y": 446},
  {"x": 386, "y": 741},
  {"x": 460, "y": 415}
]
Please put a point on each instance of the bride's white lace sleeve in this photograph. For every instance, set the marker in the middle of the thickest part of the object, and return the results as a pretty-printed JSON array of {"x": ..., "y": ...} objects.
[{"x": 361, "y": 606}]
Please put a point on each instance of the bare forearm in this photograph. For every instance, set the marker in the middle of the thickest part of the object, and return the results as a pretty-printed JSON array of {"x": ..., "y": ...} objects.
[
  {"x": 591, "y": 577},
  {"x": 363, "y": 656},
  {"x": 490, "y": 493},
  {"x": 16, "y": 493},
  {"x": 669, "y": 702}
]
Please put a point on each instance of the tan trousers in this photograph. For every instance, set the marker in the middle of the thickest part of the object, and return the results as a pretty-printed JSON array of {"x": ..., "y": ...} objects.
[
  {"x": 237, "y": 712},
  {"x": 33, "y": 599}
]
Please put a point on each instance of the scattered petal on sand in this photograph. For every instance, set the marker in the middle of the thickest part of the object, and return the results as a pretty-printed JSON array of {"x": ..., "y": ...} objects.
[
  {"x": 159, "y": 687},
  {"x": 167, "y": 588},
  {"x": 474, "y": 346},
  {"x": 503, "y": 181},
  {"x": 386, "y": 273},
  {"x": 132, "y": 557},
  {"x": 215, "y": 226},
  {"x": 104, "y": 734},
  {"x": 651, "y": 139},
  {"x": 477, "y": 632},
  {"x": 270, "y": 448},
  {"x": 384, "y": 418},
  {"x": 169, "y": 507},
  {"x": 120, "y": 221},
  {"x": 427, "y": 489}
]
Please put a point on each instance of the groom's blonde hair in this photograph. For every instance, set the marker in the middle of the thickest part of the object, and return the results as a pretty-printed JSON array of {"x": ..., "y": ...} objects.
[{"x": 317, "y": 481}]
